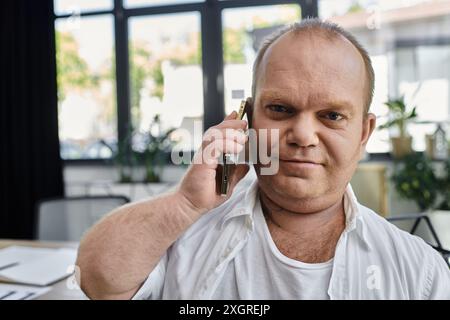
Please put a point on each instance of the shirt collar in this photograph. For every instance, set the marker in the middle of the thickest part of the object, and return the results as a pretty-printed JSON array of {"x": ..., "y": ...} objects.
[
  {"x": 243, "y": 199},
  {"x": 243, "y": 203},
  {"x": 354, "y": 221}
]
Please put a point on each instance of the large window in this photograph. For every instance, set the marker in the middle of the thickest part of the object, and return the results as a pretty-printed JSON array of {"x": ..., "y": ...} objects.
[
  {"x": 409, "y": 43},
  {"x": 86, "y": 87}
]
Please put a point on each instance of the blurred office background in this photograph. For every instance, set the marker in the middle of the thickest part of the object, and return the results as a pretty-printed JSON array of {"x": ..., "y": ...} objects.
[{"x": 95, "y": 95}]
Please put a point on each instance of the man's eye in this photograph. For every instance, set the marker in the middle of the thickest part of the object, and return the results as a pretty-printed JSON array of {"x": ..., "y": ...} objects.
[
  {"x": 334, "y": 116},
  {"x": 278, "y": 108}
]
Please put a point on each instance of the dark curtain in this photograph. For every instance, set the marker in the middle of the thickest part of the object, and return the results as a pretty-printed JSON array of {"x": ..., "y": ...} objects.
[{"x": 30, "y": 166}]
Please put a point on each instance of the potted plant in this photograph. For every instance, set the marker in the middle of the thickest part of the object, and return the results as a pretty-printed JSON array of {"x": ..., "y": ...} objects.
[
  {"x": 157, "y": 146},
  {"x": 399, "y": 117},
  {"x": 415, "y": 179},
  {"x": 149, "y": 156}
]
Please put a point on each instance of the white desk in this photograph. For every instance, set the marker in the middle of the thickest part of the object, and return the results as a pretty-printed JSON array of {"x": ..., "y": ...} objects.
[{"x": 60, "y": 290}]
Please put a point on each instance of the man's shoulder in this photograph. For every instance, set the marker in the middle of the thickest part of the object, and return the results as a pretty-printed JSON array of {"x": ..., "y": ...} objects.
[
  {"x": 387, "y": 238},
  {"x": 406, "y": 257}
]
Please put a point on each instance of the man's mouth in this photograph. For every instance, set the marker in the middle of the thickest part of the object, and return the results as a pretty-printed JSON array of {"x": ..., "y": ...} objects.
[
  {"x": 300, "y": 160},
  {"x": 301, "y": 163}
]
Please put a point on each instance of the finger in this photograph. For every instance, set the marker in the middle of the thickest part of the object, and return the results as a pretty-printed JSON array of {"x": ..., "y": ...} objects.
[
  {"x": 228, "y": 124},
  {"x": 231, "y": 116},
  {"x": 216, "y": 148},
  {"x": 234, "y": 124},
  {"x": 228, "y": 133},
  {"x": 209, "y": 153}
]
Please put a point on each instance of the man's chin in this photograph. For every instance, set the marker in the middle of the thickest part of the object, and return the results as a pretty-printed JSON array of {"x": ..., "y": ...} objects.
[{"x": 292, "y": 187}]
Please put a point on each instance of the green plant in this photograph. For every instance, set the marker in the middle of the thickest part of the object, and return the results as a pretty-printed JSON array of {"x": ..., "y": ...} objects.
[
  {"x": 415, "y": 179},
  {"x": 152, "y": 157},
  {"x": 399, "y": 115},
  {"x": 157, "y": 146}
]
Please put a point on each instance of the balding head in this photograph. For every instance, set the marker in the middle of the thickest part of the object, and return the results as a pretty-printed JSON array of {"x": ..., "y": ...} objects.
[{"x": 331, "y": 31}]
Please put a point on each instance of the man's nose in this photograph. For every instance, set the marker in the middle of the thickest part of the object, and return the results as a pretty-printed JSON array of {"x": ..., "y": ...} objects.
[{"x": 303, "y": 131}]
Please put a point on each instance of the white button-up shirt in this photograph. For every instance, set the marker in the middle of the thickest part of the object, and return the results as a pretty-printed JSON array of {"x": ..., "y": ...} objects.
[{"x": 373, "y": 258}]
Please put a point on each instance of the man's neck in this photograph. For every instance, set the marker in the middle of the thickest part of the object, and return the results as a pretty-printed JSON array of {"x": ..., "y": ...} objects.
[{"x": 310, "y": 237}]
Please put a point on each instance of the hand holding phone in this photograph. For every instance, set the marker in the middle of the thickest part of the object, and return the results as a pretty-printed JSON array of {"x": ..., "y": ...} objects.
[
  {"x": 201, "y": 184},
  {"x": 226, "y": 169}
]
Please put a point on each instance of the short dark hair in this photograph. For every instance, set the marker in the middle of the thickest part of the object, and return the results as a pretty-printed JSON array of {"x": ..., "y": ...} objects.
[{"x": 328, "y": 28}]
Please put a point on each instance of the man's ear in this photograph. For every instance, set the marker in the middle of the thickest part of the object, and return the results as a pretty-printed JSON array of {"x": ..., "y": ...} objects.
[
  {"x": 249, "y": 111},
  {"x": 369, "y": 124}
]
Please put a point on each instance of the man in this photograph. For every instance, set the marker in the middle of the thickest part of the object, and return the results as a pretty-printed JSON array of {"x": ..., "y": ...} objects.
[{"x": 297, "y": 234}]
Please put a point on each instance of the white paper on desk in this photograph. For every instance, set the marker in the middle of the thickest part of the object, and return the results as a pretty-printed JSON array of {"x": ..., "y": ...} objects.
[
  {"x": 42, "y": 271},
  {"x": 18, "y": 254},
  {"x": 16, "y": 292}
]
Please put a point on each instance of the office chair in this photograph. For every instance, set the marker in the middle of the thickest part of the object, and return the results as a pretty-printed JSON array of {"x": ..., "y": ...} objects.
[
  {"x": 67, "y": 219},
  {"x": 417, "y": 219}
]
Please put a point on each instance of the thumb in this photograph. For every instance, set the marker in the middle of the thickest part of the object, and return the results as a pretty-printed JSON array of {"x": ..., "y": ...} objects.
[{"x": 231, "y": 116}]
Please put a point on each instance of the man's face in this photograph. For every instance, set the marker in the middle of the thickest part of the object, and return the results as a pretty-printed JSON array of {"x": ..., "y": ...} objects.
[{"x": 312, "y": 88}]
